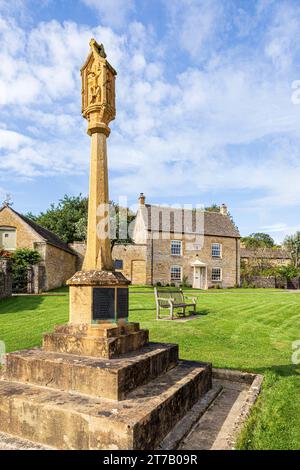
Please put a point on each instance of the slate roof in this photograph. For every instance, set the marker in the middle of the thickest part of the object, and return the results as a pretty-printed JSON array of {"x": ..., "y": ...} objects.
[
  {"x": 46, "y": 234},
  {"x": 267, "y": 253},
  {"x": 166, "y": 219}
]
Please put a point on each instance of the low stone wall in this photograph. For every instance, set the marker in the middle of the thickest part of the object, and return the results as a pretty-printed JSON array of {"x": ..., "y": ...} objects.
[
  {"x": 5, "y": 279},
  {"x": 265, "y": 282},
  {"x": 271, "y": 282}
]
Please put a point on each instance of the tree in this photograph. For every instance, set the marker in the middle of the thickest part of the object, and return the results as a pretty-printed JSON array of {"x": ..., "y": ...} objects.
[
  {"x": 292, "y": 245},
  {"x": 115, "y": 215},
  {"x": 63, "y": 217},
  {"x": 258, "y": 240},
  {"x": 215, "y": 208},
  {"x": 68, "y": 219}
]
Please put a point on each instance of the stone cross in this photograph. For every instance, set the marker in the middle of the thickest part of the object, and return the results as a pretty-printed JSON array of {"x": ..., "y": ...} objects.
[
  {"x": 98, "y": 107},
  {"x": 98, "y": 293}
]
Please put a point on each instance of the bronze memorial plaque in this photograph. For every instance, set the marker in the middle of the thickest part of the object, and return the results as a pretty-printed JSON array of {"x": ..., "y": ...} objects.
[
  {"x": 122, "y": 302},
  {"x": 104, "y": 303}
]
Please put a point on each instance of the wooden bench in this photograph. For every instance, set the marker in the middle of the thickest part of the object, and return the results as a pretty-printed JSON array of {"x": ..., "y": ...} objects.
[{"x": 173, "y": 300}]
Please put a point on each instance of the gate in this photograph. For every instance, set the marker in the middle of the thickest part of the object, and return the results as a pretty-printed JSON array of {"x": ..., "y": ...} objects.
[{"x": 22, "y": 280}]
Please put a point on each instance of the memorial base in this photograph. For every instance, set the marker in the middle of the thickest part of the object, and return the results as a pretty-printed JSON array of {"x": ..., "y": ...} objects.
[
  {"x": 98, "y": 297},
  {"x": 105, "y": 340},
  {"x": 98, "y": 387}
]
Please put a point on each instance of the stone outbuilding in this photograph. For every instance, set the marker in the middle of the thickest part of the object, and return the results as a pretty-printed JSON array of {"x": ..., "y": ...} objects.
[
  {"x": 274, "y": 257},
  {"x": 58, "y": 259}
]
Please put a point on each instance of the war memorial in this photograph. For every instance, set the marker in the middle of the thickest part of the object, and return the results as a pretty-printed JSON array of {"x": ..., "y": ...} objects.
[{"x": 97, "y": 382}]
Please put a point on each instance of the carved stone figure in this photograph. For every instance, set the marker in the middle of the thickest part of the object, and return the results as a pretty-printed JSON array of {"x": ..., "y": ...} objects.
[{"x": 98, "y": 88}]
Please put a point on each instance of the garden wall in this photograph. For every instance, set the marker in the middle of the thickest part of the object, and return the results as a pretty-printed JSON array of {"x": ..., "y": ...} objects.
[{"x": 271, "y": 282}]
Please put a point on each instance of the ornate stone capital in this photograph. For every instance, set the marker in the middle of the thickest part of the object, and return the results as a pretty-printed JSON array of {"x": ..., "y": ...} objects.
[{"x": 98, "y": 90}]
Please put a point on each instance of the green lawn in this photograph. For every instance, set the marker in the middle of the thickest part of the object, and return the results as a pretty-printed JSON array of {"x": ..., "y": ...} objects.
[{"x": 250, "y": 330}]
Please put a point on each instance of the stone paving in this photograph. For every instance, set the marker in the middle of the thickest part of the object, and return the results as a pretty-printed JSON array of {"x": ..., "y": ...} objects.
[{"x": 216, "y": 429}]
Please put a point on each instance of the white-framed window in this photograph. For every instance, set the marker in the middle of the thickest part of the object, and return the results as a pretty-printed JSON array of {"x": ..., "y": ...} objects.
[
  {"x": 216, "y": 250},
  {"x": 176, "y": 247},
  {"x": 176, "y": 273},
  {"x": 216, "y": 274}
]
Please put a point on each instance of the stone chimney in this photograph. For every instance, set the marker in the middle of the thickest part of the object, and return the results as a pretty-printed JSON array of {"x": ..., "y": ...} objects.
[
  {"x": 223, "y": 209},
  {"x": 142, "y": 199}
]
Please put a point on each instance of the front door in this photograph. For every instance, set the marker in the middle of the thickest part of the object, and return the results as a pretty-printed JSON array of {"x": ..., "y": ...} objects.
[{"x": 199, "y": 277}]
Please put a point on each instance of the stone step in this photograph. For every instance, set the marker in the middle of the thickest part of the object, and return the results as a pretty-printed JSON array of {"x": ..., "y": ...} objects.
[
  {"x": 107, "y": 378},
  {"x": 86, "y": 345},
  {"x": 102, "y": 330},
  {"x": 72, "y": 421}
]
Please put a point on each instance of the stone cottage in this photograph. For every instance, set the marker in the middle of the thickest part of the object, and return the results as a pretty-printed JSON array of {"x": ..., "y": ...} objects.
[
  {"x": 58, "y": 259},
  {"x": 174, "y": 245}
]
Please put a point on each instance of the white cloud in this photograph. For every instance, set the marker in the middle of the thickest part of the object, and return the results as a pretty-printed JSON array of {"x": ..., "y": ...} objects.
[
  {"x": 194, "y": 24},
  {"x": 227, "y": 125},
  {"x": 113, "y": 13},
  {"x": 282, "y": 44},
  {"x": 13, "y": 140}
]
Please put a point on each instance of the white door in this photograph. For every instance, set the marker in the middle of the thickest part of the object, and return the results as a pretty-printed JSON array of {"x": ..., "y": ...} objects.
[
  {"x": 199, "y": 281},
  {"x": 196, "y": 283}
]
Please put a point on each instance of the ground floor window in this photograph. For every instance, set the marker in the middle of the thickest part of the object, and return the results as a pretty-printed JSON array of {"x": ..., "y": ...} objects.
[
  {"x": 216, "y": 274},
  {"x": 176, "y": 273}
]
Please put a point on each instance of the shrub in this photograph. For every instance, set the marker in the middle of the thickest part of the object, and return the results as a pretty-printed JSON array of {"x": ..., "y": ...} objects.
[
  {"x": 185, "y": 281},
  {"x": 288, "y": 272},
  {"x": 158, "y": 284},
  {"x": 25, "y": 257},
  {"x": 22, "y": 259}
]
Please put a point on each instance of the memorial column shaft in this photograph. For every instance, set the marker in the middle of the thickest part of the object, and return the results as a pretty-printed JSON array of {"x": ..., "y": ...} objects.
[{"x": 98, "y": 254}]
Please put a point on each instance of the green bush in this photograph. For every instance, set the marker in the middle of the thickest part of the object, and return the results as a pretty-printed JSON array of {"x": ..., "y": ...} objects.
[
  {"x": 288, "y": 272},
  {"x": 25, "y": 257},
  {"x": 22, "y": 259},
  {"x": 185, "y": 282}
]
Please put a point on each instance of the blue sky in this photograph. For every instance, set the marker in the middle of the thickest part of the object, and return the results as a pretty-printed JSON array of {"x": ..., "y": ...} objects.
[{"x": 206, "y": 109}]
